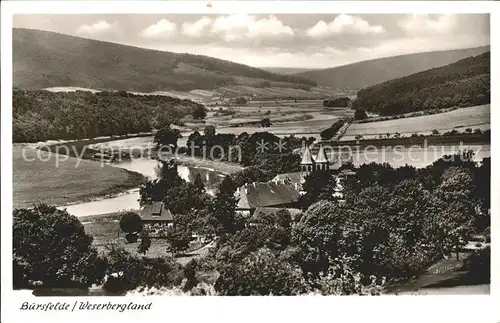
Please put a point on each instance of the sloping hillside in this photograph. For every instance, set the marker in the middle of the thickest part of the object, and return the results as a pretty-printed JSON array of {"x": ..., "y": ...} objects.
[
  {"x": 463, "y": 83},
  {"x": 44, "y": 59},
  {"x": 288, "y": 70},
  {"x": 367, "y": 73}
]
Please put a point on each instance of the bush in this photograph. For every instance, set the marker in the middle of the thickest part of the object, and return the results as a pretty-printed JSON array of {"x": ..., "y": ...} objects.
[
  {"x": 130, "y": 222},
  {"x": 50, "y": 246},
  {"x": 261, "y": 273},
  {"x": 131, "y": 237},
  {"x": 127, "y": 272}
]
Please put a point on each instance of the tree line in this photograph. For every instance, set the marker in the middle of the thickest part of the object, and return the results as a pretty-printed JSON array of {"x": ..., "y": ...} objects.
[
  {"x": 463, "y": 83},
  {"x": 40, "y": 115}
]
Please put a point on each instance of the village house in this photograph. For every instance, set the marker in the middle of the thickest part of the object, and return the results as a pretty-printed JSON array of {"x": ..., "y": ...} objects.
[
  {"x": 155, "y": 215},
  {"x": 269, "y": 194}
]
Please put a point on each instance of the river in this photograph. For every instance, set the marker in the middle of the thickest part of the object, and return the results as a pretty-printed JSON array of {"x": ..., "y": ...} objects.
[{"x": 130, "y": 199}]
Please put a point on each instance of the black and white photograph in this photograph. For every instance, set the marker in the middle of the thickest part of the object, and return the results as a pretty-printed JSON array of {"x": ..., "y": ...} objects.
[{"x": 249, "y": 154}]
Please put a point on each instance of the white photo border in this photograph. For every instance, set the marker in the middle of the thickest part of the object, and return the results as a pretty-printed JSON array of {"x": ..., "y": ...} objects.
[{"x": 242, "y": 309}]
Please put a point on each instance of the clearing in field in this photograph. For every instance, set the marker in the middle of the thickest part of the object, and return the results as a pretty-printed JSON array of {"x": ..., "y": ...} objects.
[
  {"x": 39, "y": 177},
  {"x": 460, "y": 119}
]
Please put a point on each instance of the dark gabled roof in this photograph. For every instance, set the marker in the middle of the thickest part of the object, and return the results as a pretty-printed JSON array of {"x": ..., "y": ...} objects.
[
  {"x": 156, "y": 211},
  {"x": 266, "y": 195}
]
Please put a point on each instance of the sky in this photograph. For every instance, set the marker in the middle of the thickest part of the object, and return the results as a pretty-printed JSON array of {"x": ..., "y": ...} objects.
[{"x": 281, "y": 40}]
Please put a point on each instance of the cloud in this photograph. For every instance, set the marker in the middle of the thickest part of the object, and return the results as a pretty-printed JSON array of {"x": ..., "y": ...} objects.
[
  {"x": 242, "y": 26},
  {"x": 344, "y": 24},
  {"x": 162, "y": 29},
  {"x": 197, "y": 28},
  {"x": 99, "y": 27},
  {"x": 425, "y": 24}
]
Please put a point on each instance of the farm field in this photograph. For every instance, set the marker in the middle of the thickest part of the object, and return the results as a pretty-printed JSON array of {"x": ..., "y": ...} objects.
[
  {"x": 233, "y": 91},
  {"x": 60, "y": 182},
  {"x": 460, "y": 119}
]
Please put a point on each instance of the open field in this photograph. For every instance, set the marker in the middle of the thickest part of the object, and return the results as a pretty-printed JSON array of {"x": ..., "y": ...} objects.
[
  {"x": 460, "y": 119},
  {"x": 50, "y": 179}
]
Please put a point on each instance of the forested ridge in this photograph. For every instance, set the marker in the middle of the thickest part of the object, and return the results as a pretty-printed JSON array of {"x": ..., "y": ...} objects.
[
  {"x": 46, "y": 59},
  {"x": 363, "y": 74},
  {"x": 40, "y": 115},
  {"x": 463, "y": 83}
]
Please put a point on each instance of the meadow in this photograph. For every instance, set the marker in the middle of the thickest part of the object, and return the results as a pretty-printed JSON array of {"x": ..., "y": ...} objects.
[
  {"x": 42, "y": 177},
  {"x": 460, "y": 119}
]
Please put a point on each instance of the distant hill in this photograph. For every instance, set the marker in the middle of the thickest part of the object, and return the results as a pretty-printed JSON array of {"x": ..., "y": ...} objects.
[
  {"x": 463, "y": 83},
  {"x": 288, "y": 70},
  {"x": 44, "y": 59},
  {"x": 367, "y": 73}
]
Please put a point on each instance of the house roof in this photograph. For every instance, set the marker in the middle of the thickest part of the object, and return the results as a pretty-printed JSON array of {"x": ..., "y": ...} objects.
[
  {"x": 321, "y": 156},
  {"x": 295, "y": 177},
  {"x": 307, "y": 158},
  {"x": 156, "y": 211},
  {"x": 266, "y": 194}
]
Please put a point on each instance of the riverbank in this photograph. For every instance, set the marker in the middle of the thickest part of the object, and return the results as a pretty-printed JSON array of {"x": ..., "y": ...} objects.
[{"x": 42, "y": 177}]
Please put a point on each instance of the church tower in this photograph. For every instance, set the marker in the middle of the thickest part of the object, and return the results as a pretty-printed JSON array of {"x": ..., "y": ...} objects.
[
  {"x": 307, "y": 163},
  {"x": 322, "y": 162}
]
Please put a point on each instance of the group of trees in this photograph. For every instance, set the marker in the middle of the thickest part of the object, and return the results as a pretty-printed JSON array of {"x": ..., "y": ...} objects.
[
  {"x": 399, "y": 221},
  {"x": 463, "y": 83},
  {"x": 332, "y": 130},
  {"x": 42, "y": 115},
  {"x": 262, "y": 149},
  {"x": 337, "y": 102}
]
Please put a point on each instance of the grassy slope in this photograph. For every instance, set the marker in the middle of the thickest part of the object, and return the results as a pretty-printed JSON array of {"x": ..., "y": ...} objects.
[
  {"x": 38, "y": 181},
  {"x": 45, "y": 59},
  {"x": 367, "y": 73}
]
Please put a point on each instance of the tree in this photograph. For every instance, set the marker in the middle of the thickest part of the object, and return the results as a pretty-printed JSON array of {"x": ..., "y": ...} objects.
[
  {"x": 457, "y": 217},
  {"x": 178, "y": 238},
  {"x": 167, "y": 136},
  {"x": 199, "y": 112},
  {"x": 223, "y": 209},
  {"x": 317, "y": 235},
  {"x": 360, "y": 114},
  {"x": 131, "y": 224},
  {"x": 240, "y": 100},
  {"x": 198, "y": 185},
  {"x": 209, "y": 131},
  {"x": 265, "y": 122},
  {"x": 50, "y": 246},
  {"x": 143, "y": 247}
]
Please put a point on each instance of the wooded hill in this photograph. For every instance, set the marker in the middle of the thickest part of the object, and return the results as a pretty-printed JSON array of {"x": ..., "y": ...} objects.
[
  {"x": 367, "y": 73},
  {"x": 44, "y": 59},
  {"x": 463, "y": 83},
  {"x": 39, "y": 115}
]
